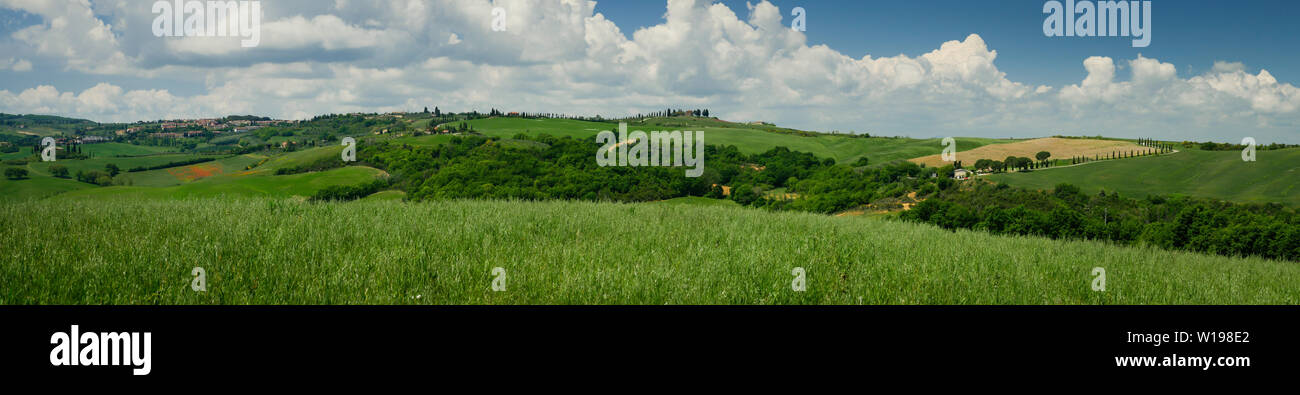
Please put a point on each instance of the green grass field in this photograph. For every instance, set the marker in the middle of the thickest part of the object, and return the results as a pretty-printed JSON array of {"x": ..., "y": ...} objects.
[
  {"x": 276, "y": 251},
  {"x": 125, "y": 164},
  {"x": 223, "y": 177},
  {"x": 747, "y": 139},
  {"x": 254, "y": 184},
  {"x": 37, "y": 187},
  {"x": 1274, "y": 177},
  {"x": 300, "y": 158},
  {"x": 384, "y": 196},
  {"x": 43, "y": 131},
  {"x": 23, "y": 152},
  {"x": 104, "y": 150},
  {"x": 183, "y": 174}
]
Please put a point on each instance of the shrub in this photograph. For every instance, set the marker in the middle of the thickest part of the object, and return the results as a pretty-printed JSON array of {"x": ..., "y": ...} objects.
[
  {"x": 16, "y": 173},
  {"x": 345, "y": 193},
  {"x": 59, "y": 171}
]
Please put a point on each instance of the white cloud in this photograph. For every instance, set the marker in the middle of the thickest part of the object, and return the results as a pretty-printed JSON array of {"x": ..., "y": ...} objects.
[{"x": 560, "y": 56}]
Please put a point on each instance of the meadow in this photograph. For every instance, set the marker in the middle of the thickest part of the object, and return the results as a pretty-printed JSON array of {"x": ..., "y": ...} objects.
[
  {"x": 37, "y": 187},
  {"x": 1213, "y": 174},
  {"x": 23, "y": 152},
  {"x": 182, "y": 174},
  {"x": 124, "y": 164},
  {"x": 277, "y": 251},
  {"x": 103, "y": 150},
  {"x": 260, "y": 183}
]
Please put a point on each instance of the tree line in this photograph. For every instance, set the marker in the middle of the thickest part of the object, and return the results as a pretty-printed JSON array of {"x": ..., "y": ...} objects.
[{"x": 1177, "y": 223}]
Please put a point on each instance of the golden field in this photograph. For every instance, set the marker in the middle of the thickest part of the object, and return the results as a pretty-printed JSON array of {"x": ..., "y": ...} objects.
[{"x": 1060, "y": 148}]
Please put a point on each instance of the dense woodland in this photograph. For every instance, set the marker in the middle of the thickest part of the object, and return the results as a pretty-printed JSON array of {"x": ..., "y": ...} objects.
[{"x": 564, "y": 168}]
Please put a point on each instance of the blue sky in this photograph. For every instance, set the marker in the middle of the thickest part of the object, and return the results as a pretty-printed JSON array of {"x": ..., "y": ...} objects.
[
  {"x": 1191, "y": 34},
  {"x": 1215, "y": 70}
]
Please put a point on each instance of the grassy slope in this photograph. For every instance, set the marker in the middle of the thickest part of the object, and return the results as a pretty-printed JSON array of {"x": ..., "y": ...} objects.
[
  {"x": 749, "y": 140},
  {"x": 1060, "y": 148},
  {"x": 37, "y": 187},
  {"x": 252, "y": 184},
  {"x": 1219, "y": 174},
  {"x": 168, "y": 177},
  {"x": 264, "y": 251},
  {"x": 300, "y": 158},
  {"x": 124, "y": 164},
  {"x": 233, "y": 180},
  {"x": 122, "y": 149},
  {"x": 23, "y": 152},
  {"x": 384, "y": 196},
  {"x": 43, "y": 131}
]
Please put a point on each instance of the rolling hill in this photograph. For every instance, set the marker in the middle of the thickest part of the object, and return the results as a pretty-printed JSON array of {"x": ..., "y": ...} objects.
[
  {"x": 749, "y": 139},
  {"x": 41, "y": 125},
  {"x": 1060, "y": 148},
  {"x": 1274, "y": 177},
  {"x": 37, "y": 187},
  {"x": 261, "y": 244},
  {"x": 239, "y": 184}
]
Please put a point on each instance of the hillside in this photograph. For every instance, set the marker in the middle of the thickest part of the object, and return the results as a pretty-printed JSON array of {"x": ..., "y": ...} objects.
[
  {"x": 1060, "y": 148},
  {"x": 274, "y": 251},
  {"x": 40, "y": 125},
  {"x": 749, "y": 139},
  {"x": 1274, "y": 177},
  {"x": 262, "y": 184},
  {"x": 37, "y": 187}
]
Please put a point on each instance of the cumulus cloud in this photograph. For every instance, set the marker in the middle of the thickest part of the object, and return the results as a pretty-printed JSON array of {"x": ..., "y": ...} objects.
[
  {"x": 72, "y": 32},
  {"x": 562, "y": 56}
]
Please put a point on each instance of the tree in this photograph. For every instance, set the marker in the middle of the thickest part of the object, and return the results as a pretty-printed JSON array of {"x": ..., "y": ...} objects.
[
  {"x": 113, "y": 170},
  {"x": 1042, "y": 156},
  {"x": 16, "y": 173},
  {"x": 59, "y": 171}
]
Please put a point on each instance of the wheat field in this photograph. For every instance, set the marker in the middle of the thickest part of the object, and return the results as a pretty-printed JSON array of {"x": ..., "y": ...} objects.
[{"x": 1060, "y": 148}]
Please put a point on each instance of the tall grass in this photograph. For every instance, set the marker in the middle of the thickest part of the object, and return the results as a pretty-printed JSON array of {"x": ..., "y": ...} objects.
[{"x": 275, "y": 251}]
